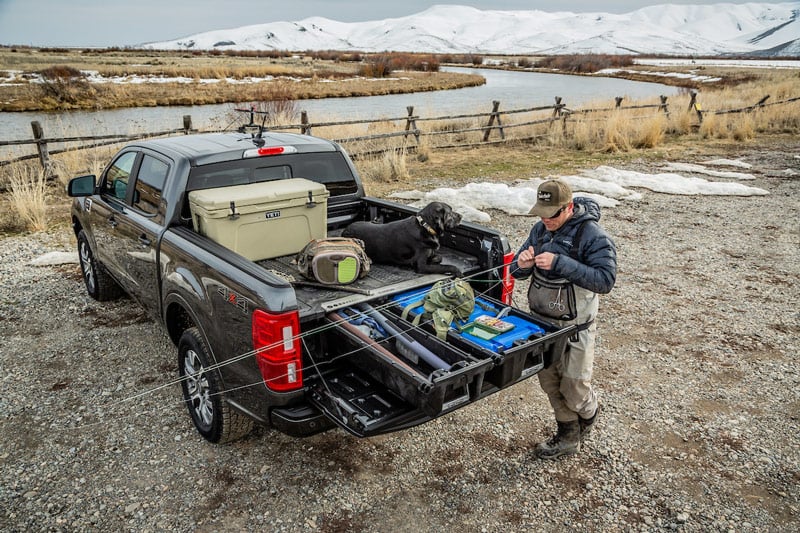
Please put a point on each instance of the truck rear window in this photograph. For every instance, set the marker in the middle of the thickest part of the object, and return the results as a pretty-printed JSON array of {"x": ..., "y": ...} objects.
[{"x": 328, "y": 168}]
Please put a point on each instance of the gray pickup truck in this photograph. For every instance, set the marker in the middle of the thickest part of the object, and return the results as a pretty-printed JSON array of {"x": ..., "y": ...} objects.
[{"x": 256, "y": 342}]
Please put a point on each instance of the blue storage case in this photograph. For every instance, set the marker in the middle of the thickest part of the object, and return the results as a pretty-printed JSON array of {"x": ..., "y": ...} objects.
[
  {"x": 518, "y": 353},
  {"x": 523, "y": 350},
  {"x": 523, "y": 328}
]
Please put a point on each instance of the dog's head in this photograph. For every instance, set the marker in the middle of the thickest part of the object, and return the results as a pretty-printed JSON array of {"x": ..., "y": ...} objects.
[{"x": 439, "y": 216}]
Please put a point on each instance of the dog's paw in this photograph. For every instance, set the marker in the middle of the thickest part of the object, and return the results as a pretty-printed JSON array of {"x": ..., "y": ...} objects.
[
  {"x": 455, "y": 271},
  {"x": 435, "y": 259}
]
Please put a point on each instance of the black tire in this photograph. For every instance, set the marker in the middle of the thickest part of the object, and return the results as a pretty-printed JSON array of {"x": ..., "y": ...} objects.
[
  {"x": 99, "y": 284},
  {"x": 211, "y": 414}
]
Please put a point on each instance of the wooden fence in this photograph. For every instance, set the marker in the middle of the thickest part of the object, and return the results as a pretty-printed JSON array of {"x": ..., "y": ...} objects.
[{"x": 495, "y": 122}]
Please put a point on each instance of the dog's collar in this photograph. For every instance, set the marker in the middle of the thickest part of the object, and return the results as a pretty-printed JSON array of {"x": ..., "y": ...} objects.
[{"x": 426, "y": 226}]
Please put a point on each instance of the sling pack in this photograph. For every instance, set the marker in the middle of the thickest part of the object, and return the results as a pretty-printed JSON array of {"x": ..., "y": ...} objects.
[
  {"x": 555, "y": 298},
  {"x": 448, "y": 300},
  {"x": 333, "y": 260}
]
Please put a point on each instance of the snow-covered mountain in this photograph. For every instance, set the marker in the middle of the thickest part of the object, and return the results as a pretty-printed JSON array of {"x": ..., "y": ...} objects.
[{"x": 753, "y": 28}]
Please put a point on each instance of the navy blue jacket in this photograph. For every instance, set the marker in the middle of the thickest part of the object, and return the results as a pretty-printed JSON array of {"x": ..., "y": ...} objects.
[{"x": 596, "y": 266}]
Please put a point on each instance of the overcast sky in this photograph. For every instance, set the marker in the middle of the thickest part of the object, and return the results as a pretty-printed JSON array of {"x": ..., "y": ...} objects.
[{"x": 106, "y": 23}]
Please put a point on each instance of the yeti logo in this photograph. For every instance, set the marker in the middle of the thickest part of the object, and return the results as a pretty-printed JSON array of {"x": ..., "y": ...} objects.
[{"x": 545, "y": 196}]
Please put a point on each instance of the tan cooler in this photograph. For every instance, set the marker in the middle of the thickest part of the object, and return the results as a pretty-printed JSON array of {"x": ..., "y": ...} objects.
[{"x": 262, "y": 220}]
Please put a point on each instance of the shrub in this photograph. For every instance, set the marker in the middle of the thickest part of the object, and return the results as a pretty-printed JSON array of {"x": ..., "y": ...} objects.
[
  {"x": 377, "y": 67},
  {"x": 744, "y": 129},
  {"x": 584, "y": 63},
  {"x": 277, "y": 100},
  {"x": 391, "y": 166},
  {"x": 617, "y": 134},
  {"x": 65, "y": 84},
  {"x": 650, "y": 132}
]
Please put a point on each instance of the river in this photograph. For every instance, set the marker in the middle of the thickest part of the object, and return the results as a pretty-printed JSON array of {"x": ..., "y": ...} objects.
[{"x": 514, "y": 90}]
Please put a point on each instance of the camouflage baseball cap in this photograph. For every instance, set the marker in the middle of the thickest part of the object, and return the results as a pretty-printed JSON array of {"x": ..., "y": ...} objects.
[{"x": 551, "y": 196}]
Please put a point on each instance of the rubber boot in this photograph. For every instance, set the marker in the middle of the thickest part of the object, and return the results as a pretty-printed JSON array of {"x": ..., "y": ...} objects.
[
  {"x": 566, "y": 441},
  {"x": 587, "y": 423}
]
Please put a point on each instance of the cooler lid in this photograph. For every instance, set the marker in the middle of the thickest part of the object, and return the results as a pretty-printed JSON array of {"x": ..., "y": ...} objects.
[{"x": 252, "y": 194}]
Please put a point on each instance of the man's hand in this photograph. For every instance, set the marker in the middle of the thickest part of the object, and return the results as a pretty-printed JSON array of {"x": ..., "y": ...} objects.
[
  {"x": 526, "y": 258},
  {"x": 545, "y": 260}
]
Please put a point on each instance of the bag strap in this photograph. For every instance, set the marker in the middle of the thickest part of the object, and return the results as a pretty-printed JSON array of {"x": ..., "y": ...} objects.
[{"x": 576, "y": 240}]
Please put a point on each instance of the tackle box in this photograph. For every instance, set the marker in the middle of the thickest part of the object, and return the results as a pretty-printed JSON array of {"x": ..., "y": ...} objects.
[
  {"x": 262, "y": 220},
  {"x": 519, "y": 345}
]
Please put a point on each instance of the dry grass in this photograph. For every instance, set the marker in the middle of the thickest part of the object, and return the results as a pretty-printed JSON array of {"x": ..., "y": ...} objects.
[
  {"x": 391, "y": 166},
  {"x": 28, "y": 191}
]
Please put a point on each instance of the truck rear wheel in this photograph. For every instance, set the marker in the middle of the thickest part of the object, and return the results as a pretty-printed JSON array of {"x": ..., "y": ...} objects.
[
  {"x": 212, "y": 416},
  {"x": 99, "y": 284}
]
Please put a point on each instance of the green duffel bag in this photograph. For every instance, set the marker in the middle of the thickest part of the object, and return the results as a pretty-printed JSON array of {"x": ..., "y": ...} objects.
[
  {"x": 447, "y": 301},
  {"x": 333, "y": 260}
]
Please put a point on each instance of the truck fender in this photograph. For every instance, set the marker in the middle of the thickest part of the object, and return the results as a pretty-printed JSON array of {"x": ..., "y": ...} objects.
[{"x": 175, "y": 326}]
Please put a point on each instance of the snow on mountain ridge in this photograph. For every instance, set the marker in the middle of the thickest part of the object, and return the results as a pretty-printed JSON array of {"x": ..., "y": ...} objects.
[{"x": 769, "y": 29}]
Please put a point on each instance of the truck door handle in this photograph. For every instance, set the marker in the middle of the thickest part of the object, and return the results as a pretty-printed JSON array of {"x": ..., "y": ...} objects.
[
  {"x": 112, "y": 221},
  {"x": 144, "y": 242}
]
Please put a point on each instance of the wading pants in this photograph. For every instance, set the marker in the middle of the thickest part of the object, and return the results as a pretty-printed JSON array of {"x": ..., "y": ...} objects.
[{"x": 568, "y": 381}]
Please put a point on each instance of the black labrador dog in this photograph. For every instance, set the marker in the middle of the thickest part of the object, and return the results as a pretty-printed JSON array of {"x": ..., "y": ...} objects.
[{"x": 412, "y": 241}]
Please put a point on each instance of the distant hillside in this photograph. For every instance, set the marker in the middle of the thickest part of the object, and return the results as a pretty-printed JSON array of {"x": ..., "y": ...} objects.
[{"x": 753, "y": 28}]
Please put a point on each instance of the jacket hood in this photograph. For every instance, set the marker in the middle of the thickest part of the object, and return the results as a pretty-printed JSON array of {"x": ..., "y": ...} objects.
[{"x": 585, "y": 209}]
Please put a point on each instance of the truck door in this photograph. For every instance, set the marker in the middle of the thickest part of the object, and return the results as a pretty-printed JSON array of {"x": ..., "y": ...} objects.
[
  {"x": 109, "y": 209},
  {"x": 139, "y": 231}
]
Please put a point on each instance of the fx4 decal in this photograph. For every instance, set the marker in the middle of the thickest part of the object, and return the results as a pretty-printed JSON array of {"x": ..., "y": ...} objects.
[{"x": 233, "y": 298}]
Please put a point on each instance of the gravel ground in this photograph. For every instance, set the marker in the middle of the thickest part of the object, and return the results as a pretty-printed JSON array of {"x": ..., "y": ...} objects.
[{"x": 697, "y": 371}]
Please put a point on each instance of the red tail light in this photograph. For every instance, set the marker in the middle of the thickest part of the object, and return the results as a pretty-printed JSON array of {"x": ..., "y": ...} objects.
[
  {"x": 508, "y": 280},
  {"x": 278, "y": 351}
]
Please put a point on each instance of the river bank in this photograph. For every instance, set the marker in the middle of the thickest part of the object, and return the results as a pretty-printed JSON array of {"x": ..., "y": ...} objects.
[{"x": 124, "y": 79}]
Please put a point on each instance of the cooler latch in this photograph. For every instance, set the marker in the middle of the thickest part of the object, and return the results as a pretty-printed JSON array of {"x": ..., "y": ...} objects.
[
  {"x": 234, "y": 215},
  {"x": 311, "y": 202}
]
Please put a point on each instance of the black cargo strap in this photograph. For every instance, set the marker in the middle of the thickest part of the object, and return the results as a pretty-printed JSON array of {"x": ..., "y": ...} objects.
[{"x": 581, "y": 327}]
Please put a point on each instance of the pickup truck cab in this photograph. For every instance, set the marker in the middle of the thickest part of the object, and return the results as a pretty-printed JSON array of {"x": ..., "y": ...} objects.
[{"x": 255, "y": 341}]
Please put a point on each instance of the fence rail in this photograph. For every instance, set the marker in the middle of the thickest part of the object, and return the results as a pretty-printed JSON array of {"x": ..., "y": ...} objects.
[{"x": 494, "y": 122}]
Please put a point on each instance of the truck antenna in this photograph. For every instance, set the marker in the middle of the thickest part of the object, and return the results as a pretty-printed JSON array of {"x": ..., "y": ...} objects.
[{"x": 255, "y": 130}]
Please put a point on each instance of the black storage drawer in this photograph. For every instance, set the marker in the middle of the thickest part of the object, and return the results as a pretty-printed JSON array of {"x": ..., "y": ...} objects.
[{"x": 431, "y": 388}]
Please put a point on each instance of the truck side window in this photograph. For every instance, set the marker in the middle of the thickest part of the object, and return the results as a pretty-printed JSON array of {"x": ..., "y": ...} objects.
[
  {"x": 149, "y": 183},
  {"x": 116, "y": 178}
]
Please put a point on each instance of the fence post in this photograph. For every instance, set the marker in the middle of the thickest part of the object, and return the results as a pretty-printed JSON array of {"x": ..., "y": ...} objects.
[
  {"x": 41, "y": 147},
  {"x": 692, "y": 100},
  {"x": 693, "y": 104},
  {"x": 411, "y": 124},
  {"x": 305, "y": 129},
  {"x": 557, "y": 107},
  {"x": 663, "y": 105},
  {"x": 618, "y": 100},
  {"x": 187, "y": 124},
  {"x": 495, "y": 115}
]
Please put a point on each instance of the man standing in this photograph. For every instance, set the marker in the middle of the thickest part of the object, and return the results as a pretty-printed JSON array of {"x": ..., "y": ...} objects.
[{"x": 571, "y": 260}]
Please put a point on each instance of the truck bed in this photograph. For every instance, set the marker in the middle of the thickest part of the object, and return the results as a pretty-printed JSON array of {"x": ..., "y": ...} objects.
[{"x": 315, "y": 300}]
